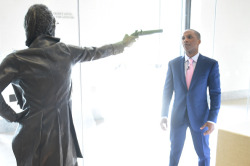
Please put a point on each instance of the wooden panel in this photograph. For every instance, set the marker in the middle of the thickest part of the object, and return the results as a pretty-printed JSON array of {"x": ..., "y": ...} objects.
[{"x": 232, "y": 149}]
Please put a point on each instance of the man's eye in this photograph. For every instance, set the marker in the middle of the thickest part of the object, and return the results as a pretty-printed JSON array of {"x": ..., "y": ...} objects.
[
  {"x": 183, "y": 38},
  {"x": 190, "y": 37}
]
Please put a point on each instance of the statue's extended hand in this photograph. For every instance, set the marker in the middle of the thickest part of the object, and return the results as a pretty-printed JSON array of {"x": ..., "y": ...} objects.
[{"x": 128, "y": 40}]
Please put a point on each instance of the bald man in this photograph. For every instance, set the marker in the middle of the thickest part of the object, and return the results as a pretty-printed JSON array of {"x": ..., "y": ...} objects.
[{"x": 188, "y": 78}]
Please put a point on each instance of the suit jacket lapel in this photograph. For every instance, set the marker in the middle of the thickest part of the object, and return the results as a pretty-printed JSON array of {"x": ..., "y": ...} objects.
[{"x": 183, "y": 77}]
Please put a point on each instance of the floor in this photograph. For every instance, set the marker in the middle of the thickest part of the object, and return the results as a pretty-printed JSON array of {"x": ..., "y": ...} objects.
[{"x": 110, "y": 144}]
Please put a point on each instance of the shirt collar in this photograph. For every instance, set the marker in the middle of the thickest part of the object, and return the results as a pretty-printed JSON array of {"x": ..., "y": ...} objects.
[{"x": 195, "y": 58}]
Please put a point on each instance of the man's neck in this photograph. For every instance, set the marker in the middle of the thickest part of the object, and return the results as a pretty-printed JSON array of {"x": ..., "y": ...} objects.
[{"x": 191, "y": 54}]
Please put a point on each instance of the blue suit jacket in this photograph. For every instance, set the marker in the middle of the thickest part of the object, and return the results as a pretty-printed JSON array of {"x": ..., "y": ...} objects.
[{"x": 194, "y": 100}]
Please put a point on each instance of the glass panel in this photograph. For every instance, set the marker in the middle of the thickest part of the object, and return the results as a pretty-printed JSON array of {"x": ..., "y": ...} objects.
[
  {"x": 122, "y": 94},
  {"x": 117, "y": 100}
]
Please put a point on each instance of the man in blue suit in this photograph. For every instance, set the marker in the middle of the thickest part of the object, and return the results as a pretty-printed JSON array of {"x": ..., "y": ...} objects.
[{"x": 190, "y": 106}]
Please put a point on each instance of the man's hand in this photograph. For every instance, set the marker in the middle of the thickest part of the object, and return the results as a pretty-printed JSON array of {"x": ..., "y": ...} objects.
[
  {"x": 164, "y": 123},
  {"x": 128, "y": 40},
  {"x": 210, "y": 128}
]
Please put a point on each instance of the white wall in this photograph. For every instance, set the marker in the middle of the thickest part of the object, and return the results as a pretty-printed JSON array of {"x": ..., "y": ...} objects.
[{"x": 224, "y": 27}]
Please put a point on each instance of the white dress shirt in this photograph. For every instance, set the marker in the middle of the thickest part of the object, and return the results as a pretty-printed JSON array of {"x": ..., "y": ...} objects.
[{"x": 195, "y": 59}]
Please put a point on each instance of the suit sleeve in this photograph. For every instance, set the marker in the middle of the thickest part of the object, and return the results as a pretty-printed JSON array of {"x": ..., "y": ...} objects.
[
  {"x": 214, "y": 93},
  {"x": 93, "y": 53},
  {"x": 167, "y": 92}
]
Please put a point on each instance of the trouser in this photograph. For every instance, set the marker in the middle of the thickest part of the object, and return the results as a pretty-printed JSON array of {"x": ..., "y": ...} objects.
[{"x": 201, "y": 144}]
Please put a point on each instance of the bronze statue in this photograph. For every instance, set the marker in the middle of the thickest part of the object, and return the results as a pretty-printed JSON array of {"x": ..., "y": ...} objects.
[{"x": 41, "y": 77}]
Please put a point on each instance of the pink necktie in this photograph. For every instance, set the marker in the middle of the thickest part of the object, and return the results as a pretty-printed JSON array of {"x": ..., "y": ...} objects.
[{"x": 190, "y": 71}]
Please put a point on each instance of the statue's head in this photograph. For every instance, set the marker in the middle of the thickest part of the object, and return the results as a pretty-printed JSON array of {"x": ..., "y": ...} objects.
[{"x": 39, "y": 20}]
